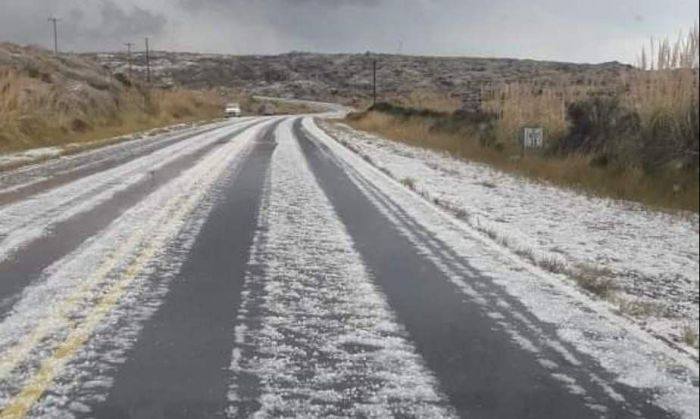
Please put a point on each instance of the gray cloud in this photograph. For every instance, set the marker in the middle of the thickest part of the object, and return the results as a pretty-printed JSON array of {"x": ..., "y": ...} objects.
[
  {"x": 84, "y": 25},
  {"x": 234, "y": 5},
  {"x": 574, "y": 30},
  {"x": 135, "y": 22}
]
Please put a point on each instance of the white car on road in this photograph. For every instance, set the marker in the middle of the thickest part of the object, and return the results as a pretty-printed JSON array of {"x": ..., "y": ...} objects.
[{"x": 233, "y": 110}]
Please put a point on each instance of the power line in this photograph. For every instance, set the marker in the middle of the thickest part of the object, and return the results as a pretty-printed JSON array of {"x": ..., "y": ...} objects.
[{"x": 55, "y": 33}]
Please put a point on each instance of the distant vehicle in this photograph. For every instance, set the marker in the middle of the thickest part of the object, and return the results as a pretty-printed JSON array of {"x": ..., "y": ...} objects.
[
  {"x": 233, "y": 110},
  {"x": 267, "y": 109}
]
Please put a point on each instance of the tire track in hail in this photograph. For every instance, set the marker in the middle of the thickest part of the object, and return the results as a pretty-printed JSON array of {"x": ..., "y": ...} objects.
[
  {"x": 619, "y": 401},
  {"x": 30, "y": 263},
  {"x": 181, "y": 357},
  {"x": 82, "y": 311},
  {"x": 13, "y": 191},
  {"x": 25, "y": 215},
  {"x": 483, "y": 372}
]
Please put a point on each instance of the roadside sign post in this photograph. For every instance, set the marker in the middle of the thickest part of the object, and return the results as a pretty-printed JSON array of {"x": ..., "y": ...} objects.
[{"x": 532, "y": 138}]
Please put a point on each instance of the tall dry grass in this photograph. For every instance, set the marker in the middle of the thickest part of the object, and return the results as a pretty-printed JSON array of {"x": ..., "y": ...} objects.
[
  {"x": 520, "y": 105},
  {"x": 645, "y": 151},
  {"x": 664, "y": 87},
  {"x": 665, "y": 54},
  {"x": 426, "y": 99},
  {"x": 573, "y": 171},
  {"x": 38, "y": 113}
]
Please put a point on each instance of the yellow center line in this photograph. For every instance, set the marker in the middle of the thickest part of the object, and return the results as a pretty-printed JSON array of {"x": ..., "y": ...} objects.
[
  {"x": 174, "y": 210},
  {"x": 13, "y": 356},
  {"x": 21, "y": 350},
  {"x": 33, "y": 390}
]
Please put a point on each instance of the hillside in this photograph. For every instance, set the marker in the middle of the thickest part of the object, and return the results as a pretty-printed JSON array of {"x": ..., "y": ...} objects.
[
  {"x": 49, "y": 100},
  {"x": 348, "y": 77}
]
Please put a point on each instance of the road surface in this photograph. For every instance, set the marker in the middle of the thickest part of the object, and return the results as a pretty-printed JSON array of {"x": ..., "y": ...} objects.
[{"x": 255, "y": 267}]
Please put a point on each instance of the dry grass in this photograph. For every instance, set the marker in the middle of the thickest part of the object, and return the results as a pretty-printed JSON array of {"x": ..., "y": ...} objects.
[
  {"x": 594, "y": 279},
  {"x": 520, "y": 105},
  {"x": 654, "y": 163},
  {"x": 665, "y": 54},
  {"x": 665, "y": 86},
  {"x": 642, "y": 309},
  {"x": 258, "y": 106},
  {"x": 38, "y": 113},
  {"x": 409, "y": 182},
  {"x": 574, "y": 171},
  {"x": 425, "y": 99},
  {"x": 690, "y": 336}
]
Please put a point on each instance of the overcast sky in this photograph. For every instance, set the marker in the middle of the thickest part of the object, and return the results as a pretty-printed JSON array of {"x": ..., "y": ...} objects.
[{"x": 564, "y": 30}]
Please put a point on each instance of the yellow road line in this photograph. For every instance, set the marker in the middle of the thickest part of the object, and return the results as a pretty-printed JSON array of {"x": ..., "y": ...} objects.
[
  {"x": 21, "y": 350},
  {"x": 19, "y": 405},
  {"x": 32, "y": 391},
  {"x": 13, "y": 356}
]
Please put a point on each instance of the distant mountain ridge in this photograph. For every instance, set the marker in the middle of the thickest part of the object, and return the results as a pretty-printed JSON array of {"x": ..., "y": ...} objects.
[{"x": 349, "y": 76}]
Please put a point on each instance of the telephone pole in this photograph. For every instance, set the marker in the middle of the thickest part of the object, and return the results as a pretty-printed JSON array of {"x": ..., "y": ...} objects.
[
  {"x": 55, "y": 33},
  {"x": 128, "y": 48},
  {"x": 148, "y": 62},
  {"x": 374, "y": 82}
]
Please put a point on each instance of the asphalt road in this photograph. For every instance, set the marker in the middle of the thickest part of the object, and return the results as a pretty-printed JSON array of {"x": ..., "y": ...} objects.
[{"x": 247, "y": 269}]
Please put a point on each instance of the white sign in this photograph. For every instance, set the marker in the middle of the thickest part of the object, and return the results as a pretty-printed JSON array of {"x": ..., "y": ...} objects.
[{"x": 533, "y": 138}]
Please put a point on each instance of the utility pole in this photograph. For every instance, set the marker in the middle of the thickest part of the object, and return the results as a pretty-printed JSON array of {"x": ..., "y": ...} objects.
[
  {"x": 374, "y": 82},
  {"x": 148, "y": 62},
  {"x": 128, "y": 47},
  {"x": 55, "y": 33}
]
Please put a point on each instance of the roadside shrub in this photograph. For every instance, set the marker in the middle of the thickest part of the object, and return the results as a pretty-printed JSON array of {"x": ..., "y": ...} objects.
[
  {"x": 123, "y": 79},
  {"x": 407, "y": 112},
  {"x": 595, "y": 280},
  {"x": 468, "y": 124},
  {"x": 631, "y": 134},
  {"x": 518, "y": 105},
  {"x": 690, "y": 336},
  {"x": 601, "y": 126},
  {"x": 637, "y": 130},
  {"x": 671, "y": 136},
  {"x": 410, "y": 183},
  {"x": 479, "y": 124},
  {"x": 356, "y": 116}
]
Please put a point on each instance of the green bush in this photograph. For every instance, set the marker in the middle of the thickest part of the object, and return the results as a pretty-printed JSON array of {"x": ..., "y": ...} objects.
[
  {"x": 671, "y": 137},
  {"x": 601, "y": 126},
  {"x": 470, "y": 124}
]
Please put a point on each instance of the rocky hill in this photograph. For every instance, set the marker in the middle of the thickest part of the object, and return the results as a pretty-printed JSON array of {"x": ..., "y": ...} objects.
[{"x": 348, "y": 77}]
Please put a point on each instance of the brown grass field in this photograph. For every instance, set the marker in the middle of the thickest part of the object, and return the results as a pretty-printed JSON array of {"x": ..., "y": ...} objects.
[
  {"x": 34, "y": 113},
  {"x": 661, "y": 96}
]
